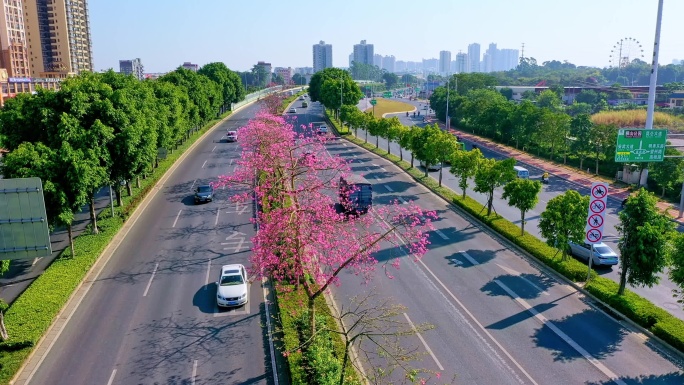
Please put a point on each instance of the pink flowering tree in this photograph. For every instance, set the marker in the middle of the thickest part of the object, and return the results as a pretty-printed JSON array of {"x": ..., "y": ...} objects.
[{"x": 304, "y": 238}]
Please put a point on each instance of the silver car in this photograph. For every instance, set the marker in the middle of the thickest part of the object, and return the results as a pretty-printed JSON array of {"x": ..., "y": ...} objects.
[{"x": 603, "y": 254}]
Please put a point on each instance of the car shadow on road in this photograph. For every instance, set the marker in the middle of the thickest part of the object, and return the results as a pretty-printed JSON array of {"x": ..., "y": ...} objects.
[{"x": 205, "y": 298}]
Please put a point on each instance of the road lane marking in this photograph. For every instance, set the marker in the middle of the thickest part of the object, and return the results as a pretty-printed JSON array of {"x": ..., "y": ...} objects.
[
  {"x": 111, "y": 378},
  {"x": 476, "y": 322},
  {"x": 612, "y": 376},
  {"x": 265, "y": 290},
  {"x": 231, "y": 162},
  {"x": 344, "y": 144},
  {"x": 193, "y": 183},
  {"x": 149, "y": 283},
  {"x": 206, "y": 280},
  {"x": 469, "y": 258},
  {"x": 205, "y": 162},
  {"x": 389, "y": 188},
  {"x": 212, "y": 150},
  {"x": 439, "y": 365},
  {"x": 194, "y": 372},
  {"x": 177, "y": 215},
  {"x": 441, "y": 234},
  {"x": 519, "y": 275},
  {"x": 217, "y": 215},
  {"x": 403, "y": 200}
]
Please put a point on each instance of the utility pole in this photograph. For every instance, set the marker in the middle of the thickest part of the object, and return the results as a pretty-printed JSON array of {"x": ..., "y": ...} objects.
[{"x": 652, "y": 85}]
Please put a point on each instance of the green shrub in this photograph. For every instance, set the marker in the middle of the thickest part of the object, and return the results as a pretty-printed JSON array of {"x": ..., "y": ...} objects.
[{"x": 32, "y": 313}]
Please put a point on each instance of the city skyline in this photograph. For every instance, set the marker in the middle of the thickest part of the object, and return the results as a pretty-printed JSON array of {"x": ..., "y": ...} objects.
[{"x": 584, "y": 35}]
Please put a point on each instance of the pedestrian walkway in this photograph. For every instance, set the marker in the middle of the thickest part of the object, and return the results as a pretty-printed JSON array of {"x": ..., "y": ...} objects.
[{"x": 617, "y": 191}]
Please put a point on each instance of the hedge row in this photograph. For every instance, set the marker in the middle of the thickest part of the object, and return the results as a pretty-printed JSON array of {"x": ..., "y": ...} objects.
[
  {"x": 308, "y": 363},
  {"x": 32, "y": 313},
  {"x": 638, "y": 309}
]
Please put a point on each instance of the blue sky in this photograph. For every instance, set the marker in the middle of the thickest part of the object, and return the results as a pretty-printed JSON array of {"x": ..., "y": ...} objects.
[{"x": 166, "y": 33}]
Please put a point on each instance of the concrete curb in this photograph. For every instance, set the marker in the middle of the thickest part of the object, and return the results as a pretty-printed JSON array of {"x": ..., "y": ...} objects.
[
  {"x": 46, "y": 342},
  {"x": 666, "y": 347}
]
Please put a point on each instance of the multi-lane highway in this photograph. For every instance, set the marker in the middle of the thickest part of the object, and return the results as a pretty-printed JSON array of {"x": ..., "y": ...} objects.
[
  {"x": 150, "y": 317},
  {"x": 661, "y": 294},
  {"x": 498, "y": 318}
]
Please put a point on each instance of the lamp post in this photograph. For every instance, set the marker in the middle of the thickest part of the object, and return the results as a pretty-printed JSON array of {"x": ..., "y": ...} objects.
[{"x": 447, "y": 106}]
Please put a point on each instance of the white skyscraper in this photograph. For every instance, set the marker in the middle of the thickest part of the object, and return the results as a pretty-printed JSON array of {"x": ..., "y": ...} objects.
[
  {"x": 474, "y": 57},
  {"x": 363, "y": 53},
  {"x": 508, "y": 59},
  {"x": 388, "y": 63},
  {"x": 322, "y": 56},
  {"x": 444, "y": 62}
]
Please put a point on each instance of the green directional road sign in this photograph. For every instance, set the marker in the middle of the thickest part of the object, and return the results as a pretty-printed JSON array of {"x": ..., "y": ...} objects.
[
  {"x": 387, "y": 94},
  {"x": 374, "y": 102},
  {"x": 640, "y": 145}
]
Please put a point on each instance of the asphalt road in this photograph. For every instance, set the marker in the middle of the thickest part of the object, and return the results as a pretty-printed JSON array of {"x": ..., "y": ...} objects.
[
  {"x": 499, "y": 319},
  {"x": 151, "y": 318},
  {"x": 660, "y": 295}
]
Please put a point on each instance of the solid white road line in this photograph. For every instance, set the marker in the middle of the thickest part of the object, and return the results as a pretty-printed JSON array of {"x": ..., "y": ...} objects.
[
  {"x": 265, "y": 291},
  {"x": 203, "y": 164},
  {"x": 613, "y": 377},
  {"x": 177, "y": 215},
  {"x": 344, "y": 144},
  {"x": 217, "y": 215},
  {"x": 519, "y": 275},
  {"x": 441, "y": 234},
  {"x": 469, "y": 258},
  {"x": 149, "y": 283},
  {"x": 193, "y": 183},
  {"x": 389, "y": 188},
  {"x": 403, "y": 200},
  {"x": 439, "y": 365},
  {"x": 212, "y": 150},
  {"x": 206, "y": 280},
  {"x": 194, "y": 372},
  {"x": 111, "y": 378},
  {"x": 231, "y": 162}
]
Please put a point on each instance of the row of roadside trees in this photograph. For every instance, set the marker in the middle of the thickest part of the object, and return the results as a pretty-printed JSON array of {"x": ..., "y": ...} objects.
[{"x": 105, "y": 129}]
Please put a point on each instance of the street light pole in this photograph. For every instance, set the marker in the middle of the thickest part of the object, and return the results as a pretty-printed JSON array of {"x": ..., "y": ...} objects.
[
  {"x": 447, "y": 106},
  {"x": 652, "y": 86}
]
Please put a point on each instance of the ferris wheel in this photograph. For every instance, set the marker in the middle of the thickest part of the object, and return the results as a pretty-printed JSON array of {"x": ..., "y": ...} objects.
[{"x": 624, "y": 51}]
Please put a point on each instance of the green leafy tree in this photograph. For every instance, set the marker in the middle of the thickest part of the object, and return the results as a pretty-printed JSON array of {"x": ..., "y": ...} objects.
[
  {"x": 553, "y": 130},
  {"x": 522, "y": 194},
  {"x": 668, "y": 174},
  {"x": 549, "y": 99},
  {"x": 415, "y": 142},
  {"x": 445, "y": 146},
  {"x": 299, "y": 79},
  {"x": 427, "y": 146},
  {"x": 491, "y": 174},
  {"x": 220, "y": 74},
  {"x": 320, "y": 77},
  {"x": 474, "y": 81},
  {"x": 507, "y": 93},
  {"x": 676, "y": 272},
  {"x": 464, "y": 164},
  {"x": 331, "y": 95},
  {"x": 377, "y": 128},
  {"x": 392, "y": 130},
  {"x": 524, "y": 120},
  {"x": 564, "y": 220},
  {"x": 581, "y": 137},
  {"x": 204, "y": 93},
  {"x": 644, "y": 240},
  {"x": 401, "y": 136},
  {"x": 390, "y": 79},
  {"x": 604, "y": 138},
  {"x": 579, "y": 108}
]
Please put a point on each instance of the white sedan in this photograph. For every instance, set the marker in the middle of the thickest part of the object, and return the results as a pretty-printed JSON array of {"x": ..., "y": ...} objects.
[
  {"x": 293, "y": 110},
  {"x": 231, "y": 287}
]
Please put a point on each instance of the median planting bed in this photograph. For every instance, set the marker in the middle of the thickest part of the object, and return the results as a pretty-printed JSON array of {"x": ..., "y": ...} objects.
[{"x": 29, "y": 317}]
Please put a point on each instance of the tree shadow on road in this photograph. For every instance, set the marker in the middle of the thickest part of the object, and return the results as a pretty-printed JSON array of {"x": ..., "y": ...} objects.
[
  {"x": 526, "y": 286},
  {"x": 673, "y": 378}
]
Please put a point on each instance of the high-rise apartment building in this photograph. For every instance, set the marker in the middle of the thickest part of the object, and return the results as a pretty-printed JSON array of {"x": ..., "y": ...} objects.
[
  {"x": 285, "y": 73},
  {"x": 377, "y": 60},
  {"x": 58, "y": 33},
  {"x": 132, "y": 67},
  {"x": 474, "y": 57},
  {"x": 444, "y": 62},
  {"x": 13, "y": 49},
  {"x": 189, "y": 66},
  {"x": 508, "y": 59},
  {"x": 462, "y": 63},
  {"x": 430, "y": 66},
  {"x": 363, "y": 53},
  {"x": 322, "y": 56},
  {"x": 388, "y": 63}
]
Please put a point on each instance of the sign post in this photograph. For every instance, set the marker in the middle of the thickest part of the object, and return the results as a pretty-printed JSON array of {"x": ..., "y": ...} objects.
[
  {"x": 596, "y": 215},
  {"x": 637, "y": 145}
]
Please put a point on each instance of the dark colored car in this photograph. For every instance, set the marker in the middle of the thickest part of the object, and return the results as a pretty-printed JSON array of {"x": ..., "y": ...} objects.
[{"x": 204, "y": 193}]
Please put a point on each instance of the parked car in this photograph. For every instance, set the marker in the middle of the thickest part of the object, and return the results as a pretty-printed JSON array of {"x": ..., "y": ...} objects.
[
  {"x": 231, "y": 288},
  {"x": 603, "y": 254},
  {"x": 204, "y": 193},
  {"x": 293, "y": 110},
  {"x": 231, "y": 136}
]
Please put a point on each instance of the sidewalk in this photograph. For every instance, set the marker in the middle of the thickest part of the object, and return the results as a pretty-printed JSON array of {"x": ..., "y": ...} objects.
[{"x": 569, "y": 173}]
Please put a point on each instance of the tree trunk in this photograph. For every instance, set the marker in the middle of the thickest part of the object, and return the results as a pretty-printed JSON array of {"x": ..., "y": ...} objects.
[
  {"x": 411, "y": 160},
  {"x": 137, "y": 182},
  {"x": 581, "y": 161},
  {"x": 522, "y": 223},
  {"x": 597, "y": 161},
  {"x": 623, "y": 275},
  {"x": 5, "y": 337},
  {"x": 71, "y": 240},
  {"x": 119, "y": 200},
  {"x": 401, "y": 153},
  {"x": 663, "y": 194},
  {"x": 377, "y": 141},
  {"x": 312, "y": 315},
  {"x": 490, "y": 202},
  {"x": 129, "y": 189},
  {"x": 93, "y": 217},
  {"x": 440, "y": 177},
  {"x": 344, "y": 359},
  {"x": 366, "y": 140},
  {"x": 388, "y": 146}
]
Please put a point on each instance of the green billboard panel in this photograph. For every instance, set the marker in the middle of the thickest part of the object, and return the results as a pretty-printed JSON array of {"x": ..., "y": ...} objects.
[
  {"x": 640, "y": 145},
  {"x": 23, "y": 223}
]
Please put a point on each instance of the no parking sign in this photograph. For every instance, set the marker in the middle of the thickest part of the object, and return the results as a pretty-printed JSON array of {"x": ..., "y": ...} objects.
[{"x": 596, "y": 213}]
